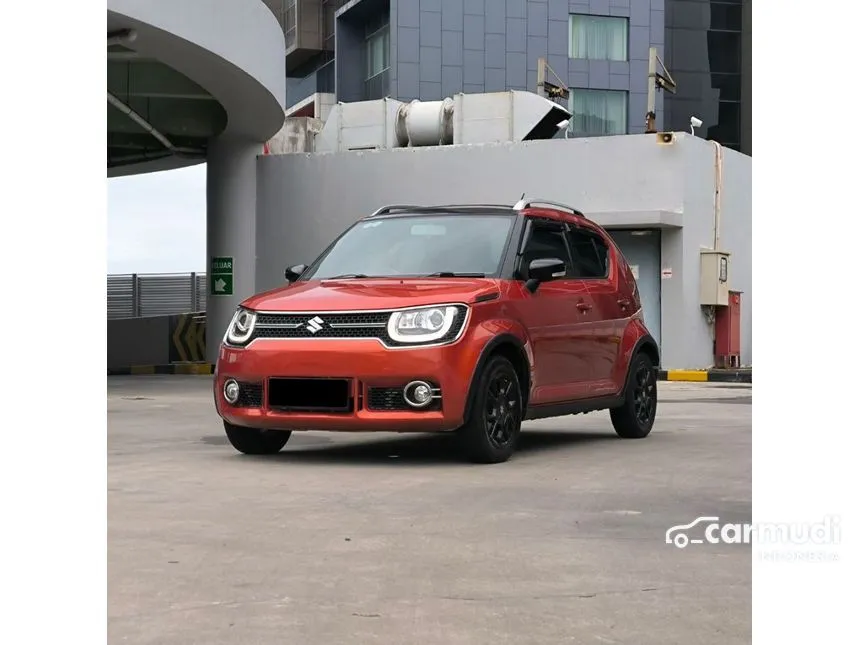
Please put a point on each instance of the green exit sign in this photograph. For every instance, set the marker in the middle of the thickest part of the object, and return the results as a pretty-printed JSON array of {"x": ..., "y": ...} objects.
[{"x": 221, "y": 276}]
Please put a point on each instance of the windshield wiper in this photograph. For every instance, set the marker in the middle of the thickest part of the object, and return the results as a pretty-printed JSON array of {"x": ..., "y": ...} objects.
[
  {"x": 454, "y": 274},
  {"x": 345, "y": 276}
]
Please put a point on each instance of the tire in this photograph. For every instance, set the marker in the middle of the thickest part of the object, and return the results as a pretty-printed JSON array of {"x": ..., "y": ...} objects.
[
  {"x": 635, "y": 417},
  {"x": 253, "y": 441},
  {"x": 498, "y": 400}
]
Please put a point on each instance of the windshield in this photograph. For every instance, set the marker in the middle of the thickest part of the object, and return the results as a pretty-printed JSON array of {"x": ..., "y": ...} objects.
[{"x": 418, "y": 246}]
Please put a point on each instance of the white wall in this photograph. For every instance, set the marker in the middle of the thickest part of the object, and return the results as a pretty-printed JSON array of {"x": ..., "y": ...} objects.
[
  {"x": 305, "y": 200},
  {"x": 736, "y": 238}
]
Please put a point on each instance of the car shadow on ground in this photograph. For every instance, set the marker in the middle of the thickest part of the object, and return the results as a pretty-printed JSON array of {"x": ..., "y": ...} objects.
[{"x": 418, "y": 449}]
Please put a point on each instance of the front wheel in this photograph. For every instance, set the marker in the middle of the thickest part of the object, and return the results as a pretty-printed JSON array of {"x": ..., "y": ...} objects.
[
  {"x": 635, "y": 417},
  {"x": 253, "y": 441},
  {"x": 493, "y": 427}
]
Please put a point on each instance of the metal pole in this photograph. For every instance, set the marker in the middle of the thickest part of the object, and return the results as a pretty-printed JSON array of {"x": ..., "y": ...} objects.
[
  {"x": 195, "y": 304},
  {"x": 541, "y": 76},
  {"x": 651, "y": 114},
  {"x": 135, "y": 296}
]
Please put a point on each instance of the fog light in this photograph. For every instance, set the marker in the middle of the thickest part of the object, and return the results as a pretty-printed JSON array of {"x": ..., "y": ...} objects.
[
  {"x": 231, "y": 391},
  {"x": 418, "y": 394}
]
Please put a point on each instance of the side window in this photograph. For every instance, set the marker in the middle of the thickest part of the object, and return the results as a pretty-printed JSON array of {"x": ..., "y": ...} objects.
[
  {"x": 590, "y": 254},
  {"x": 546, "y": 240}
]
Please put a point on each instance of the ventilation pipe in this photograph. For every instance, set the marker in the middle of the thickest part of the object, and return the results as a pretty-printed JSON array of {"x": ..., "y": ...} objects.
[
  {"x": 425, "y": 123},
  {"x": 718, "y": 192},
  {"x": 493, "y": 117}
]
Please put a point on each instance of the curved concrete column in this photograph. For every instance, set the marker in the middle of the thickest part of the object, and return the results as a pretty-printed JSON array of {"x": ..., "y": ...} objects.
[
  {"x": 234, "y": 50},
  {"x": 231, "y": 206}
]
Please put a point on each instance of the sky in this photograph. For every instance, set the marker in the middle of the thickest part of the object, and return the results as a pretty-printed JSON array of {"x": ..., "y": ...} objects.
[{"x": 157, "y": 222}]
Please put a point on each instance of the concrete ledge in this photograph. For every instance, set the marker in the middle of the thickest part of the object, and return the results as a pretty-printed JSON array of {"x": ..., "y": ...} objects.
[
  {"x": 638, "y": 219},
  {"x": 707, "y": 376},
  {"x": 174, "y": 368}
]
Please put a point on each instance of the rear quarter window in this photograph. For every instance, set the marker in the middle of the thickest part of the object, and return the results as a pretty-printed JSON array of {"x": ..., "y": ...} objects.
[{"x": 590, "y": 254}]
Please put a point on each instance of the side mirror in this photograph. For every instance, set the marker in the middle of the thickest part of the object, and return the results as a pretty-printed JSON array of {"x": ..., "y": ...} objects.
[
  {"x": 292, "y": 273},
  {"x": 544, "y": 270}
]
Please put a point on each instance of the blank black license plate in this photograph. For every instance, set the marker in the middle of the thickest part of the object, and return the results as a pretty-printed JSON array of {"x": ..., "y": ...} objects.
[{"x": 310, "y": 394}]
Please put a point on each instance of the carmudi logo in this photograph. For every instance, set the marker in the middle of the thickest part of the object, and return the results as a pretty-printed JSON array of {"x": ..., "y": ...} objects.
[{"x": 709, "y": 530}]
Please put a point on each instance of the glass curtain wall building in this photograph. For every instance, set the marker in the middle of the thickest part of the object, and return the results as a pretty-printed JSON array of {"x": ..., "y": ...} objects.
[
  {"x": 705, "y": 53},
  {"x": 366, "y": 49}
]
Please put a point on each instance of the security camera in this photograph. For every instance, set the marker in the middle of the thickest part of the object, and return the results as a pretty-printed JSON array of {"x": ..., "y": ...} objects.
[
  {"x": 695, "y": 122},
  {"x": 564, "y": 125}
]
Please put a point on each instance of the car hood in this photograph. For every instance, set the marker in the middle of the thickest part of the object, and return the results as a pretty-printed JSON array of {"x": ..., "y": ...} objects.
[{"x": 371, "y": 293}]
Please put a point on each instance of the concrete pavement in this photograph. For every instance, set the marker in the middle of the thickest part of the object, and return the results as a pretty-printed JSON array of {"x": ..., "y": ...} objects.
[{"x": 392, "y": 539}]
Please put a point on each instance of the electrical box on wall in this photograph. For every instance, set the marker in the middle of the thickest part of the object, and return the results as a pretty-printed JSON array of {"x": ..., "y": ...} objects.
[{"x": 715, "y": 278}]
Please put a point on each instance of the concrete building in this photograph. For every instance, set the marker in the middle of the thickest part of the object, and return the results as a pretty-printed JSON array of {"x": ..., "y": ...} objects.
[
  {"x": 658, "y": 201},
  {"x": 709, "y": 52},
  {"x": 339, "y": 50},
  {"x": 186, "y": 86}
]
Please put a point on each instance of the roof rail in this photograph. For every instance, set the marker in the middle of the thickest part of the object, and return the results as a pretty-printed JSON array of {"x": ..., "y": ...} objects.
[
  {"x": 436, "y": 208},
  {"x": 390, "y": 208},
  {"x": 537, "y": 201},
  {"x": 464, "y": 207}
]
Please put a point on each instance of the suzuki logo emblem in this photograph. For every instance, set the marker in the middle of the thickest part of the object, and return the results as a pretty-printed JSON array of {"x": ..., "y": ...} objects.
[{"x": 315, "y": 324}]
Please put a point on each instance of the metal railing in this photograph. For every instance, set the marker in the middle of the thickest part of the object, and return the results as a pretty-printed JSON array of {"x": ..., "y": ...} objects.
[{"x": 155, "y": 294}]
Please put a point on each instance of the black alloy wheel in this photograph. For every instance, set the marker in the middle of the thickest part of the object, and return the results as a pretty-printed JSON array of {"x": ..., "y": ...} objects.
[
  {"x": 490, "y": 434},
  {"x": 634, "y": 418},
  {"x": 501, "y": 411},
  {"x": 645, "y": 394}
]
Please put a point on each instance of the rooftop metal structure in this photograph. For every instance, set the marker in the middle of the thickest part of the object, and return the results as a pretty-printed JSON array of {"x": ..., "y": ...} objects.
[
  {"x": 522, "y": 204},
  {"x": 440, "y": 208},
  {"x": 537, "y": 201}
]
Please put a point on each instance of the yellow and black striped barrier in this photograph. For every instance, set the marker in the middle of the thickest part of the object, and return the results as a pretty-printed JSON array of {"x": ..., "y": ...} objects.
[
  {"x": 187, "y": 338},
  {"x": 707, "y": 376}
]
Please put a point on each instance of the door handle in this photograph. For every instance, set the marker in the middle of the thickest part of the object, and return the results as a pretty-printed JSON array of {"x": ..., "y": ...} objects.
[{"x": 583, "y": 306}]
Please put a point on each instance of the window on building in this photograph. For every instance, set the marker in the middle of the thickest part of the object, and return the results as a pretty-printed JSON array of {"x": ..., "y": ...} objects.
[
  {"x": 598, "y": 37},
  {"x": 598, "y": 112},
  {"x": 377, "y": 82},
  {"x": 377, "y": 52}
]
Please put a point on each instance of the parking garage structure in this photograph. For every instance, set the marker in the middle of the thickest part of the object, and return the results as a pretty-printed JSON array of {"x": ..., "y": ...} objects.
[{"x": 187, "y": 84}]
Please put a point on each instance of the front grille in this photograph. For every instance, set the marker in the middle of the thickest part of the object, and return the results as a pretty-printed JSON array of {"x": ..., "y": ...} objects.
[
  {"x": 390, "y": 399},
  {"x": 250, "y": 395},
  {"x": 340, "y": 325},
  {"x": 368, "y": 325}
]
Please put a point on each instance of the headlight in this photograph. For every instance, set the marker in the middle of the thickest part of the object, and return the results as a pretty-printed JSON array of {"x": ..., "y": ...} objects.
[
  {"x": 421, "y": 325},
  {"x": 241, "y": 327}
]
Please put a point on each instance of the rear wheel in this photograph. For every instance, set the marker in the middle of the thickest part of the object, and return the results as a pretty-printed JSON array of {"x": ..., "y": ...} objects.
[
  {"x": 493, "y": 427},
  {"x": 253, "y": 441},
  {"x": 635, "y": 417}
]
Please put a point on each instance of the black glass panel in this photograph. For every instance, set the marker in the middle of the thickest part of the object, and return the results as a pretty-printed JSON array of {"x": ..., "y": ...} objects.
[
  {"x": 728, "y": 130},
  {"x": 729, "y": 86},
  {"x": 704, "y": 53},
  {"x": 724, "y": 51},
  {"x": 725, "y": 16}
]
